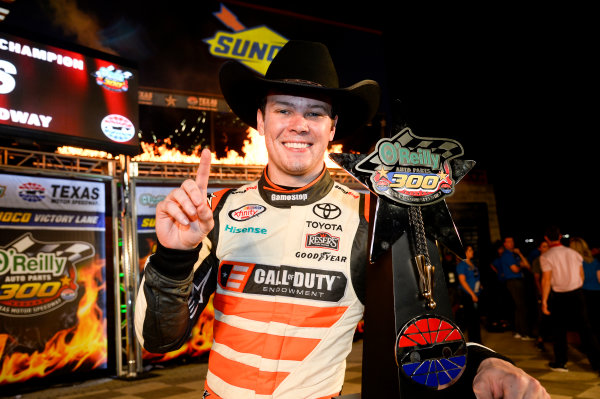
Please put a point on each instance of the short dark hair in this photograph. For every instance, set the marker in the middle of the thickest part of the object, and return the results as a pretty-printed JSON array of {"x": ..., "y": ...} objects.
[{"x": 553, "y": 233}]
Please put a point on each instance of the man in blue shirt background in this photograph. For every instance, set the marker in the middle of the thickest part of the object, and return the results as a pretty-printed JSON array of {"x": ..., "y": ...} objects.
[{"x": 512, "y": 262}]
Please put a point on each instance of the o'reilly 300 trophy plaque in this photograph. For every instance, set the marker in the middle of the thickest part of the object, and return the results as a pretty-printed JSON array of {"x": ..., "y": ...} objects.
[{"x": 411, "y": 177}]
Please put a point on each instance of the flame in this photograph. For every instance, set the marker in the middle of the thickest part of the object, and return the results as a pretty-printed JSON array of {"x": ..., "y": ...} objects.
[
  {"x": 254, "y": 149},
  {"x": 162, "y": 153},
  {"x": 333, "y": 149},
  {"x": 81, "y": 346},
  {"x": 83, "y": 152}
]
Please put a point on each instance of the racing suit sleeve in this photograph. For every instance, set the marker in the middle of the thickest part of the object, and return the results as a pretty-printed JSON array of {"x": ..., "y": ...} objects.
[
  {"x": 175, "y": 288},
  {"x": 476, "y": 354}
]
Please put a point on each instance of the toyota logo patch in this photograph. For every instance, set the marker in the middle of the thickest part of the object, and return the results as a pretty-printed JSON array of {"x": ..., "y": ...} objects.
[{"x": 327, "y": 210}]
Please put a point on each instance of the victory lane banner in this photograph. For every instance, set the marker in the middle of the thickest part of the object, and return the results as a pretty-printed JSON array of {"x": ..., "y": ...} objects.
[{"x": 52, "y": 277}]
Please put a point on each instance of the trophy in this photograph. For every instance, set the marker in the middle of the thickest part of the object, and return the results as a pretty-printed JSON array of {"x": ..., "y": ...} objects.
[{"x": 411, "y": 176}]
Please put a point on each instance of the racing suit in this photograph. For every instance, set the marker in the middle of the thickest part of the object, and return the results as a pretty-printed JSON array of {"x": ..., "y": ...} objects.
[{"x": 286, "y": 267}]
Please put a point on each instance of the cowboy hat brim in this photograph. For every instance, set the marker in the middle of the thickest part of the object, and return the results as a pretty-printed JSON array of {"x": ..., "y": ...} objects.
[{"x": 243, "y": 91}]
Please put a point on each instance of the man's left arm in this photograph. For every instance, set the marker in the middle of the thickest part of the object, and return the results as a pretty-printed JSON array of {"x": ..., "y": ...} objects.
[{"x": 524, "y": 262}]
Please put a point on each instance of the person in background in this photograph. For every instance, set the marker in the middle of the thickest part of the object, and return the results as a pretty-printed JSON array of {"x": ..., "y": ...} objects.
[
  {"x": 496, "y": 265},
  {"x": 500, "y": 313},
  {"x": 562, "y": 298},
  {"x": 542, "y": 247},
  {"x": 469, "y": 289},
  {"x": 591, "y": 282},
  {"x": 543, "y": 321},
  {"x": 511, "y": 263}
]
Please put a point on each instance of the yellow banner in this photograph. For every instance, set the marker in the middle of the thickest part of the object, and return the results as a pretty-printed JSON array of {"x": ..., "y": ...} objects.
[{"x": 255, "y": 47}]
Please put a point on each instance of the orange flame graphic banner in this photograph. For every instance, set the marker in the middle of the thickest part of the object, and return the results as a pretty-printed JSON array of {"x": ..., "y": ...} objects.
[{"x": 82, "y": 347}]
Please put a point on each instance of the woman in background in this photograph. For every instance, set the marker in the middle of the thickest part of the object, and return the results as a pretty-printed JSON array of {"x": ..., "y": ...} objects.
[
  {"x": 470, "y": 287},
  {"x": 591, "y": 283}
]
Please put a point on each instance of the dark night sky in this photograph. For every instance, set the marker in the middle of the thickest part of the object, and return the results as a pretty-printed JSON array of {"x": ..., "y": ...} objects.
[
  {"x": 513, "y": 85},
  {"x": 520, "y": 91}
]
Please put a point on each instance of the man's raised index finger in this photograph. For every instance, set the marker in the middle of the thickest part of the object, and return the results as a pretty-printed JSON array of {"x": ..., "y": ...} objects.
[{"x": 203, "y": 170}]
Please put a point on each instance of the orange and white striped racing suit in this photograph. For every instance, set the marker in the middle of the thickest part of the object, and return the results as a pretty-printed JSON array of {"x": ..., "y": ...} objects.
[{"x": 283, "y": 265}]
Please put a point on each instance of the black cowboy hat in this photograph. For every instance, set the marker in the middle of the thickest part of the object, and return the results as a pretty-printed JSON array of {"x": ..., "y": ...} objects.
[{"x": 303, "y": 69}]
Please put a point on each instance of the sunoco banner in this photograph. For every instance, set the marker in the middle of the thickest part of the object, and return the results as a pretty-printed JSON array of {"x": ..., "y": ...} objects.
[{"x": 52, "y": 277}]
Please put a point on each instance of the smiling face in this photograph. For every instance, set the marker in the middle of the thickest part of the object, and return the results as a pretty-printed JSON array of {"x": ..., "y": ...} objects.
[{"x": 297, "y": 132}]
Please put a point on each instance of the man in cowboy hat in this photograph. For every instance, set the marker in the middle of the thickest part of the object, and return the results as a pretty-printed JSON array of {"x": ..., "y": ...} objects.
[{"x": 285, "y": 256}]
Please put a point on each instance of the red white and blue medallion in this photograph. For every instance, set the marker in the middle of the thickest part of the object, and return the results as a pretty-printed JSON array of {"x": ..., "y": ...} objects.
[{"x": 431, "y": 351}]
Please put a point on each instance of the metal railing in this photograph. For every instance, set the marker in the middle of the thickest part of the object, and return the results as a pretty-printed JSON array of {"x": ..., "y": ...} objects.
[
  {"x": 33, "y": 161},
  {"x": 53, "y": 163}
]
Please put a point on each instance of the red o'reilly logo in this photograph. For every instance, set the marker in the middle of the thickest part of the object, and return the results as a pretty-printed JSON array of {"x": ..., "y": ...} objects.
[
  {"x": 246, "y": 212},
  {"x": 322, "y": 240}
]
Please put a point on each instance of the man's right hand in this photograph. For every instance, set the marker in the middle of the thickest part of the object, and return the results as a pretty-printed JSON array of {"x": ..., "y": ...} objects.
[{"x": 184, "y": 218}]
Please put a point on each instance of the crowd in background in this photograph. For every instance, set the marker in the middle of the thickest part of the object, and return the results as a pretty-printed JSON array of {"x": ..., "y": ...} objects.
[{"x": 503, "y": 290}]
